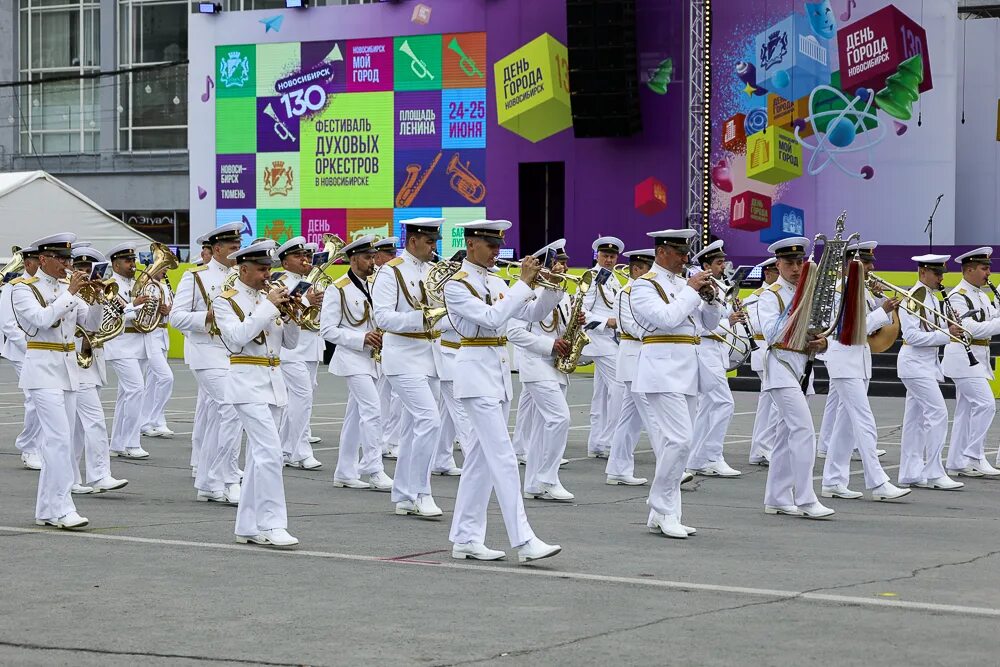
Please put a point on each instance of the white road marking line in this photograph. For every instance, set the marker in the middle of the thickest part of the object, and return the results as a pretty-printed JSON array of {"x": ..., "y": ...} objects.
[{"x": 775, "y": 594}]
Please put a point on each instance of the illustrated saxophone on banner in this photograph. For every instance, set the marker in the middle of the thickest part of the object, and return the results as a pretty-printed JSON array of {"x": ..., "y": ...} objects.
[{"x": 414, "y": 182}]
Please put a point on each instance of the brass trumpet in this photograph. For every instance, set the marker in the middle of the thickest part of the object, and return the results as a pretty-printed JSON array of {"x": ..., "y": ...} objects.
[{"x": 546, "y": 279}]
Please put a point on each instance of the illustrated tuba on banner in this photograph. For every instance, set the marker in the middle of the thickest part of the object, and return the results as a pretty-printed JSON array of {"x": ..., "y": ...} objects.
[{"x": 464, "y": 182}]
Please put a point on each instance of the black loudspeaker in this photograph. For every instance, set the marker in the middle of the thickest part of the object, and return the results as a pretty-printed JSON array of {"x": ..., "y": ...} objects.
[{"x": 603, "y": 68}]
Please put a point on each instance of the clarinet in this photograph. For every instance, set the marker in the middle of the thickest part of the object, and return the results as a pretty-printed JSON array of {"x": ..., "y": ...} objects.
[
  {"x": 996, "y": 294},
  {"x": 738, "y": 307},
  {"x": 952, "y": 315}
]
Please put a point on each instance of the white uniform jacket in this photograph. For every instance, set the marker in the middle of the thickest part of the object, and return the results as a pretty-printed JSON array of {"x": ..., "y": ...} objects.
[
  {"x": 715, "y": 353},
  {"x": 310, "y": 347},
  {"x": 252, "y": 330},
  {"x": 396, "y": 296},
  {"x": 97, "y": 374},
  {"x": 446, "y": 350},
  {"x": 630, "y": 337},
  {"x": 52, "y": 324},
  {"x": 14, "y": 341},
  {"x": 753, "y": 316},
  {"x": 983, "y": 323},
  {"x": 195, "y": 293},
  {"x": 345, "y": 320},
  {"x": 855, "y": 361},
  {"x": 599, "y": 306},
  {"x": 918, "y": 358},
  {"x": 162, "y": 337},
  {"x": 534, "y": 340},
  {"x": 131, "y": 344},
  {"x": 480, "y": 305},
  {"x": 782, "y": 368},
  {"x": 663, "y": 304}
]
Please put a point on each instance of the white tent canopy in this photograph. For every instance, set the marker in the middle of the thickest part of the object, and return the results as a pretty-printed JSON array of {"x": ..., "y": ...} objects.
[{"x": 34, "y": 204}]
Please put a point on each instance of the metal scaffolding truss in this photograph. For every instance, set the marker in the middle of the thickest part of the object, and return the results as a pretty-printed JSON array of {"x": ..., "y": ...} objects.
[{"x": 699, "y": 120}]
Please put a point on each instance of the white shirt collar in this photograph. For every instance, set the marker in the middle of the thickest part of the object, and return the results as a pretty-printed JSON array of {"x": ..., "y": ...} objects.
[
  {"x": 292, "y": 274},
  {"x": 246, "y": 289},
  {"x": 410, "y": 258},
  {"x": 784, "y": 283},
  {"x": 475, "y": 269},
  {"x": 49, "y": 280},
  {"x": 118, "y": 275},
  {"x": 218, "y": 265}
]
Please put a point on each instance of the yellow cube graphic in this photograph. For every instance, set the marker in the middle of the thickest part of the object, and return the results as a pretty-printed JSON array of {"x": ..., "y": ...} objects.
[
  {"x": 773, "y": 156},
  {"x": 532, "y": 85}
]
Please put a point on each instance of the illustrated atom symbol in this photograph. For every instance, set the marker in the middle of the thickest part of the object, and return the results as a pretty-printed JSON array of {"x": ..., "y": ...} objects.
[{"x": 842, "y": 132}]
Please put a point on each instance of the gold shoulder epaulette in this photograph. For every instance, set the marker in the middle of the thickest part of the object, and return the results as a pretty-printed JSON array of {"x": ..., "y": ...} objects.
[
  {"x": 648, "y": 276},
  {"x": 395, "y": 261},
  {"x": 16, "y": 281},
  {"x": 196, "y": 269},
  {"x": 229, "y": 294},
  {"x": 962, "y": 291},
  {"x": 627, "y": 290},
  {"x": 29, "y": 281},
  {"x": 342, "y": 282},
  {"x": 758, "y": 291},
  {"x": 774, "y": 288},
  {"x": 460, "y": 275}
]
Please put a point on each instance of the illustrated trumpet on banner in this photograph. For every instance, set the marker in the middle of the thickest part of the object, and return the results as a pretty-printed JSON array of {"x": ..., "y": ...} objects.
[
  {"x": 280, "y": 128},
  {"x": 418, "y": 66},
  {"x": 414, "y": 182},
  {"x": 467, "y": 64},
  {"x": 464, "y": 182}
]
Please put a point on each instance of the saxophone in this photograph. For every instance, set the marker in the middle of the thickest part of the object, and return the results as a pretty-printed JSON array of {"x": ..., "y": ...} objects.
[{"x": 575, "y": 333}]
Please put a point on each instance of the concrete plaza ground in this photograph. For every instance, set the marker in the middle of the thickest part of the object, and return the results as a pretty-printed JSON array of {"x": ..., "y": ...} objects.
[{"x": 158, "y": 578}]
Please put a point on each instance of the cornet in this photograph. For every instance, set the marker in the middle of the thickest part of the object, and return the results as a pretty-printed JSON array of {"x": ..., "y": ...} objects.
[
  {"x": 546, "y": 279},
  {"x": 418, "y": 66},
  {"x": 467, "y": 64}
]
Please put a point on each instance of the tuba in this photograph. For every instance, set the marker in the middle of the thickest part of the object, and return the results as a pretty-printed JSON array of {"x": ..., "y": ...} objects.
[
  {"x": 14, "y": 267},
  {"x": 112, "y": 320},
  {"x": 320, "y": 280},
  {"x": 464, "y": 182},
  {"x": 148, "y": 318},
  {"x": 437, "y": 277}
]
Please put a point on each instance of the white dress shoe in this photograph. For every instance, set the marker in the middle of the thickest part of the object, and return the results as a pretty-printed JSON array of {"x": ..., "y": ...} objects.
[
  {"x": 393, "y": 453},
  {"x": 522, "y": 459},
  {"x": 453, "y": 471},
  {"x": 686, "y": 477},
  {"x": 984, "y": 467},
  {"x": 150, "y": 432},
  {"x": 81, "y": 490},
  {"x": 840, "y": 491},
  {"x": 476, "y": 551},
  {"x": 563, "y": 462},
  {"x": 132, "y": 453},
  {"x": 379, "y": 481},
  {"x": 164, "y": 431},
  {"x": 426, "y": 507},
  {"x": 535, "y": 549},
  {"x": 313, "y": 439},
  {"x": 626, "y": 480},
  {"x": 967, "y": 471},
  {"x": 69, "y": 521},
  {"x": 666, "y": 525},
  {"x": 790, "y": 510},
  {"x": 551, "y": 492},
  {"x": 308, "y": 463},
  {"x": 276, "y": 537},
  {"x": 211, "y": 497},
  {"x": 194, "y": 471},
  {"x": 350, "y": 484},
  {"x": 31, "y": 461},
  {"x": 760, "y": 461},
  {"x": 108, "y": 483},
  {"x": 286, "y": 459},
  {"x": 815, "y": 510},
  {"x": 717, "y": 469},
  {"x": 888, "y": 491},
  {"x": 600, "y": 454},
  {"x": 232, "y": 494},
  {"x": 944, "y": 483}
]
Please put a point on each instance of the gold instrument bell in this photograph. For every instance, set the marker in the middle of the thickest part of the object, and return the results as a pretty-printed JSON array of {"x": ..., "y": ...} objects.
[{"x": 148, "y": 318}]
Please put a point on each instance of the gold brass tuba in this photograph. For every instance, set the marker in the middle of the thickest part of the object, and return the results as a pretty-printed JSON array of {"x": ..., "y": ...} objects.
[
  {"x": 148, "y": 318},
  {"x": 464, "y": 182},
  {"x": 320, "y": 281},
  {"x": 112, "y": 320},
  {"x": 15, "y": 265}
]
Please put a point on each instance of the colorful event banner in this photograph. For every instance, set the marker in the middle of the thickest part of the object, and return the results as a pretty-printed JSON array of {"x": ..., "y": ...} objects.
[{"x": 351, "y": 136}]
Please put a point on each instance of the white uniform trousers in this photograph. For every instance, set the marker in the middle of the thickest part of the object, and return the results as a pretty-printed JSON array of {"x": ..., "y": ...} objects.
[
  {"x": 925, "y": 429},
  {"x": 90, "y": 436},
  {"x": 362, "y": 430},
  {"x": 605, "y": 404},
  {"x": 490, "y": 465},
  {"x": 420, "y": 426},
  {"x": 57, "y": 416},
  {"x": 830, "y": 412},
  {"x": 391, "y": 413},
  {"x": 547, "y": 438},
  {"x": 27, "y": 441},
  {"x": 128, "y": 406},
  {"x": 262, "y": 498},
  {"x": 765, "y": 425},
  {"x": 974, "y": 411},
  {"x": 670, "y": 417},
  {"x": 523, "y": 423},
  {"x": 454, "y": 426},
  {"x": 220, "y": 445},
  {"x": 621, "y": 461},
  {"x": 201, "y": 417},
  {"x": 294, "y": 429},
  {"x": 715, "y": 411},
  {"x": 854, "y": 427},
  {"x": 159, "y": 385},
  {"x": 789, "y": 477}
]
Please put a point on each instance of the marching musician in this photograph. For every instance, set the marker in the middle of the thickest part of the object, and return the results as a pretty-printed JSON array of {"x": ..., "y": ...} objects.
[
  {"x": 621, "y": 462},
  {"x": 14, "y": 351},
  {"x": 90, "y": 430},
  {"x": 539, "y": 344},
  {"x": 156, "y": 369},
  {"x": 399, "y": 298},
  {"x": 200, "y": 410},
  {"x": 715, "y": 402},
  {"x": 975, "y": 405},
  {"x": 765, "y": 423},
  {"x": 299, "y": 365},
  {"x": 217, "y": 477},
  {"x": 480, "y": 306},
  {"x": 668, "y": 309},
  {"x": 391, "y": 409},
  {"x": 602, "y": 327},
  {"x": 346, "y": 321},
  {"x": 454, "y": 422},
  {"x": 789, "y": 487},
  {"x": 850, "y": 369},
  {"x": 126, "y": 354},
  {"x": 925, "y": 414},
  {"x": 48, "y": 310},
  {"x": 254, "y": 330},
  {"x": 310, "y": 438}
]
